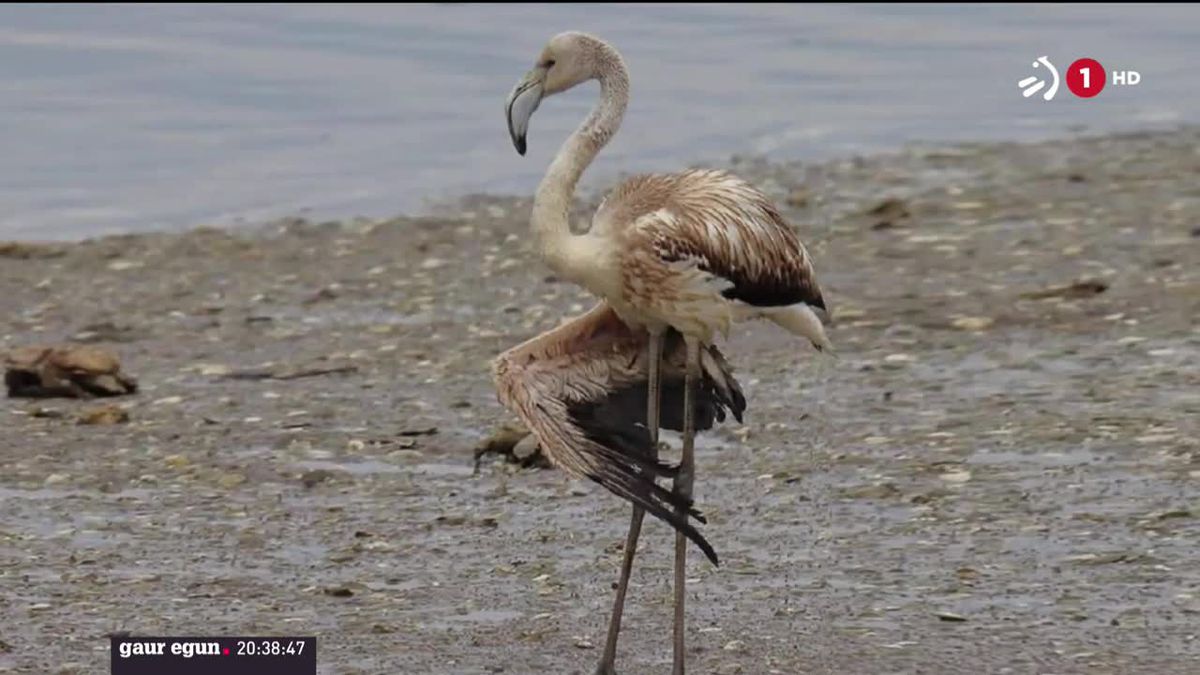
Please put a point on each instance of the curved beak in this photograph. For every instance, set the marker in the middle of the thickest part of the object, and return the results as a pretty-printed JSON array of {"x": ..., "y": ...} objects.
[{"x": 523, "y": 100}]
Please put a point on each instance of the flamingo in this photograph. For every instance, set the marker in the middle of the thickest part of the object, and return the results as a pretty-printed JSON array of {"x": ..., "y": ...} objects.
[
  {"x": 581, "y": 388},
  {"x": 694, "y": 251}
]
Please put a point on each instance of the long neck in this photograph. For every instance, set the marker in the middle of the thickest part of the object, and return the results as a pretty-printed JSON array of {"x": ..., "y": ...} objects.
[{"x": 552, "y": 203}]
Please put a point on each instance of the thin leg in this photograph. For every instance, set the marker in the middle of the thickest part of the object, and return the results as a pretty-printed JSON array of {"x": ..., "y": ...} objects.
[
  {"x": 683, "y": 486},
  {"x": 609, "y": 658}
]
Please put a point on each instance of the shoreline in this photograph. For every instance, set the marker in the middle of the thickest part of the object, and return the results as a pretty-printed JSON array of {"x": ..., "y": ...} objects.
[{"x": 594, "y": 185}]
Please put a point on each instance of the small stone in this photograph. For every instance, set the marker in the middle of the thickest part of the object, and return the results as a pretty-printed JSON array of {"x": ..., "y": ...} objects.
[
  {"x": 104, "y": 416},
  {"x": 46, "y": 413},
  {"x": 897, "y": 361},
  {"x": 1084, "y": 288},
  {"x": 973, "y": 322},
  {"x": 55, "y": 479},
  {"x": 325, "y": 293},
  {"x": 887, "y": 213},
  {"x": 951, "y": 617},
  {"x": 876, "y": 491},
  {"x": 316, "y": 477},
  {"x": 798, "y": 198},
  {"x": 419, "y": 431},
  {"x": 956, "y": 476},
  {"x": 1155, "y": 438},
  {"x": 231, "y": 480},
  {"x": 526, "y": 448},
  {"x": 176, "y": 461}
]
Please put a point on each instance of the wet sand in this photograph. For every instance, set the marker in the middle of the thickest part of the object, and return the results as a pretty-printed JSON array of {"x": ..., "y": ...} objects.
[{"x": 998, "y": 474}]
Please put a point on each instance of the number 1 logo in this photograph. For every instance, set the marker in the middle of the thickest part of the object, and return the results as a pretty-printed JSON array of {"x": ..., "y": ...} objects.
[{"x": 1086, "y": 78}]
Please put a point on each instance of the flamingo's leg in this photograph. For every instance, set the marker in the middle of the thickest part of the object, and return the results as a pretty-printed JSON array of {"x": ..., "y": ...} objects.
[
  {"x": 683, "y": 487},
  {"x": 653, "y": 389}
]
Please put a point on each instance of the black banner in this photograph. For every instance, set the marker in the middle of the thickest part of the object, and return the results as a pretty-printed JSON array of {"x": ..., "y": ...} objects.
[{"x": 214, "y": 655}]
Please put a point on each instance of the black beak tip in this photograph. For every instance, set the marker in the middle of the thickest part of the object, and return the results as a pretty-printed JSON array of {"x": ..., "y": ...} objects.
[{"x": 519, "y": 143}]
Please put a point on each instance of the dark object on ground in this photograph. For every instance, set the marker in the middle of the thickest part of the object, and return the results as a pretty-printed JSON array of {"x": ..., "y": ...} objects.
[
  {"x": 888, "y": 213},
  {"x": 29, "y": 251},
  {"x": 513, "y": 441},
  {"x": 1084, "y": 288},
  {"x": 73, "y": 371},
  {"x": 268, "y": 374},
  {"x": 104, "y": 415}
]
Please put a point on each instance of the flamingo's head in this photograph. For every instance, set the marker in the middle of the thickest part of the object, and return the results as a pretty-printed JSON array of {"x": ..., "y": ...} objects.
[{"x": 568, "y": 59}]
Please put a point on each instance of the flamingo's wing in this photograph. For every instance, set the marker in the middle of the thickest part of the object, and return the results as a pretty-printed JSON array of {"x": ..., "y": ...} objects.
[
  {"x": 722, "y": 225},
  {"x": 581, "y": 389}
]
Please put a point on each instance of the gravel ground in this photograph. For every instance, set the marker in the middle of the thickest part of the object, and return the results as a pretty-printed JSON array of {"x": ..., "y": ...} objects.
[{"x": 999, "y": 474}]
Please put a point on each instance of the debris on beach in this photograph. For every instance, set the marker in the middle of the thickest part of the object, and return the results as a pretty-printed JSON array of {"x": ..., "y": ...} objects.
[
  {"x": 1084, "y": 288},
  {"x": 72, "y": 371},
  {"x": 284, "y": 374},
  {"x": 106, "y": 331},
  {"x": 513, "y": 441},
  {"x": 887, "y": 213},
  {"x": 30, "y": 251},
  {"x": 104, "y": 415},
  {"x": 419, "y": 431}
]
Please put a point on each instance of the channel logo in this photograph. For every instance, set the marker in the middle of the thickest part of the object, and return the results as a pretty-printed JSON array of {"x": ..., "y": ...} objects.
[
  {"x": 1085, "y": 78},
  {"x": 1033, "y": 84}
]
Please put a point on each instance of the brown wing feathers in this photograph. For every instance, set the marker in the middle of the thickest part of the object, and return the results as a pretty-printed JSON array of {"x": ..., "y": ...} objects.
[
  {"x": 581, "y": 388},
  {"x": 727, "y": 227}
]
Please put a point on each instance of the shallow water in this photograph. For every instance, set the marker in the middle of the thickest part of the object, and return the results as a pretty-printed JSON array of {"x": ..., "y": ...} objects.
[{"x": 163, "y": 117}]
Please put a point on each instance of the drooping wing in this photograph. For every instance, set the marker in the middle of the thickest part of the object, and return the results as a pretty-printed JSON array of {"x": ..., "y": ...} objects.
[{"x": 581, "y": 389}]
